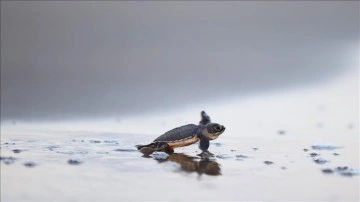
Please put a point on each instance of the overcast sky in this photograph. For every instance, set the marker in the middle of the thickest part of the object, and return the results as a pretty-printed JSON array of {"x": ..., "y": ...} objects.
[{"x": 93, "y": 59}]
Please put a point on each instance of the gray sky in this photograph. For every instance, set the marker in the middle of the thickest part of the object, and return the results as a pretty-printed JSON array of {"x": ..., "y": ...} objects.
[{"x": 92, "y": 59}]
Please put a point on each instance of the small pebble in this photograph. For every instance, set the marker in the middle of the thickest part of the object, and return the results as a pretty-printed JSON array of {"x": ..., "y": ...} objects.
[
  {"x": 30, "y": 164},
  {"x": 313, "y": 154},
  {"x": 16, "y": 151},
  {"x": 241, "y": 156},
  {"x": 255, "y": 149},
  {"x": 268, "y": 162},
  {"x": 7, "y": 160},
  {"x": 327, "y": 171},
  {"x": 320, "y": 160},
  {"x": 125, "y": 150},
  {"x": 305, "y": 150},
  {"x": 95, "y": 141},
  {"x": 324, "y": 147},
  {"x": 223, "y": 156},
  {"x": 283, "y": 168},
  {"x": 341, "y": 168},
  {"x": 111, "y": 141},
  {"x": 336, "y": 154},
  {"x": 74, "y": 162}
]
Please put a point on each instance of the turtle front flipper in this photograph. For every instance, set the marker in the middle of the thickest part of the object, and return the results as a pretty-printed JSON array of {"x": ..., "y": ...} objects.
[
  {"x": 204, "y": 144},
  {"x": 205, "y": 118}
]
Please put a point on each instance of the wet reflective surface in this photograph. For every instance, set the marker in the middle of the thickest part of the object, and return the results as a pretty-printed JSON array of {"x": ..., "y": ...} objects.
[
  {"x": 251, "y": 161},
  {"x": 194, "y": 164}
]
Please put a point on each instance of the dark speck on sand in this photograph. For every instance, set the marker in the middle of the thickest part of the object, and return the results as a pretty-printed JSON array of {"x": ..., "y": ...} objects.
[
  {"x": 223, "y": 156},
  {"x": 327, "y": 171},
  {"x": 125, "y": 150},
  {"x": 268, "y": 162},
  {"x": 7, "y": 160},
  {"x": 17, "y": 151},
  {"x": 95, "y": 141},
  {"x": 313, "y": 154},
  {"x": 281, "y": 132},
  {"x": 30, "y": 164},
  {"x": 320, "y": 160},
  {"x": 241, "y": 156},
  {"x": 74, "y": 162}
]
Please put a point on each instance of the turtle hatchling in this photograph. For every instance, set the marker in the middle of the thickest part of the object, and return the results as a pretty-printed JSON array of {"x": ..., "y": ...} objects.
[{"x": 185, "y": 135}]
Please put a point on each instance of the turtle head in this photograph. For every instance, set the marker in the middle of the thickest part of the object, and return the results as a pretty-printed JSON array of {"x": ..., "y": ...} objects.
[{"x": 212, "y": 130}]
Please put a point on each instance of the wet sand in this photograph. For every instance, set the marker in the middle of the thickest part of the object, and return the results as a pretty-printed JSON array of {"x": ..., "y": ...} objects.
[
  {"x": 73, "y": 166},
  {"x": 301, "y": 145}
]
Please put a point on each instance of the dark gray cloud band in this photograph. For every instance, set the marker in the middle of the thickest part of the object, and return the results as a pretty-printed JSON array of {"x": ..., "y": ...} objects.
[{"x": 62, "y": 60}]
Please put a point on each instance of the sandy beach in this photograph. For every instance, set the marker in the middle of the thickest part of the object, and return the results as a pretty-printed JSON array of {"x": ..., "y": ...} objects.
[
  {"x": 311, "y": 157},
  {"x": 105, "y": 167}
]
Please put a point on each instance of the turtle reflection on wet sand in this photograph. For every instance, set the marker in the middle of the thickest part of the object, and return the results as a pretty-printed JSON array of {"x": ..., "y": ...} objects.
[
  {"x": 185, "y": 135},
  {"x": 191, "y": 164}
]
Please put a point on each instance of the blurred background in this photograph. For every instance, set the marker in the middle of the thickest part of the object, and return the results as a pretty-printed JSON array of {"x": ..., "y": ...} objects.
[{"x": 84, "y": 61}]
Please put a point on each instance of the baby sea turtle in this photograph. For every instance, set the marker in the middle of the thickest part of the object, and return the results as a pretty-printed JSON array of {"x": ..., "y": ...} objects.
[{"x": 185, "y": 135}]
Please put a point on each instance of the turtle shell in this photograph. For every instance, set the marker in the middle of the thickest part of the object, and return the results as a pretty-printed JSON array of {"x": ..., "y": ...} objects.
[{"x": 180, "y": 136}]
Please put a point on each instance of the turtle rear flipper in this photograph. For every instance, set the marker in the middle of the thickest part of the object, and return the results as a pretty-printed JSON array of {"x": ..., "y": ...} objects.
[
  {"x": 139, "y": 146},
  {"x": 154, "y": 146}
]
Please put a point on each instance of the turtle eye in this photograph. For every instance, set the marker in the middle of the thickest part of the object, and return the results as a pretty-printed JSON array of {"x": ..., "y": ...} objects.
[{"x": 217, "y": 127}]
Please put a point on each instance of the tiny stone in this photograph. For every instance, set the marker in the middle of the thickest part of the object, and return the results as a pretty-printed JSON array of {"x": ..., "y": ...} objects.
[
  {"x": 17, "y": 151},
  {"x": 8, "y": 160},
  {"x": 305, "y": 150},
  {"x": 341, "y": 168},
  {"x": 125, "y": 150},
  {"x": 241, "y": 156},
  {"x": 320, "y": 161},
  {"x": 327, "y": 171},
  {"x": 268, "y": 162},
  {"x": 283, "y": 168},
  {"x": 255, "y": 149},
  {"x": 336, "y": 154},
  {"x": 223, "y": 156},
  {"x": 73, "y": 162},
  {"x": 95, "y": 141},
  {"x": 30, "y": 164},
  {"x": 313, "y": 154}
]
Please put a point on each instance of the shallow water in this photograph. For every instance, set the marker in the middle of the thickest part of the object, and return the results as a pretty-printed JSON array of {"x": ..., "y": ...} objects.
[{"x": 106, "y": 167}]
